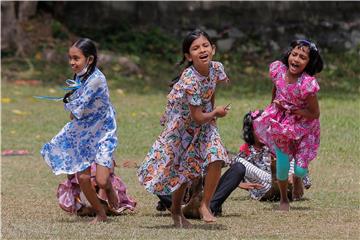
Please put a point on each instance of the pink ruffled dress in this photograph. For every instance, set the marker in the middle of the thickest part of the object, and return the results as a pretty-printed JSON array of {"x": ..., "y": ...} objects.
[
  {"x": 295, "y": 135},
  {"x": 72, "y": 200}
]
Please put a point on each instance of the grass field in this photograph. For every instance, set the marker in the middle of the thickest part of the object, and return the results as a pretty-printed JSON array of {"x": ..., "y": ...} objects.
[{"x": 29, "y": 207}]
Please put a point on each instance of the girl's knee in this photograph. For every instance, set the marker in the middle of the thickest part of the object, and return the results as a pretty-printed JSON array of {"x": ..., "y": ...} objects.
[
  {"x": 238, "y": 168},
  {"x": 103, "y": 182},
  {"x": 300, "y": 172},
  {"x": 83, "y": 178}
]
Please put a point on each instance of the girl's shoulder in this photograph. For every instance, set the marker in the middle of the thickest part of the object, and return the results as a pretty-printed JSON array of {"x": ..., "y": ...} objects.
[
  {"x": 219, "y": 71},
  {"x": 217, "y": 65},
  {"x": 98, "y": 73},
  {"x": 276, "y": 67},
  {"x": 309, "y": 84}
]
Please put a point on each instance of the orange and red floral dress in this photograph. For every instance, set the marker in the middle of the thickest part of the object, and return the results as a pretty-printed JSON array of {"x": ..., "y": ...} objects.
[{"x": 184, "y": 149}]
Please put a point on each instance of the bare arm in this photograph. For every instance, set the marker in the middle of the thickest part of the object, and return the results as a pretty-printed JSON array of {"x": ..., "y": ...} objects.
[
  {"x": 312, "y": 111},
  {"x": 201, "y": 117},
  {"x": 273, "y": 93}
]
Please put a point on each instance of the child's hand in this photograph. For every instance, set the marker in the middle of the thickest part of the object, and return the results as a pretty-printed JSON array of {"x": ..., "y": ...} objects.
[
  {"x": 250, "y": 185},
  {"x": 221, "y": 111},
  {"x": 71, "y": 116},
  {"x": 278, "y": 105}
]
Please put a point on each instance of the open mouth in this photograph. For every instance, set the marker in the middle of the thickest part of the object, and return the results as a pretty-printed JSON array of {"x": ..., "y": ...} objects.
[
  {"x": 294, "y": 66},
  {"x": 204, "y": 57}
]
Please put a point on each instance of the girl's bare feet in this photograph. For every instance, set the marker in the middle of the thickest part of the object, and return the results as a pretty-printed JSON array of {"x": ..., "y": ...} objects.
[
  {"x": 99, "y": 218},
  {"x": 284, "y": 206},
  {"x": 298, "y": 188},
  {"x": 112, "y": 198},
  {"x": 206, "y": 215},
  {"x": 180, "y": 221}
]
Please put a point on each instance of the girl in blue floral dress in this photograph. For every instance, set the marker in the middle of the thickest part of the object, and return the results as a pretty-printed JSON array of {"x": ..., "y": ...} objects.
[
  {"x": 90, "y": 136},
  {"x": 190, "y": 144}
]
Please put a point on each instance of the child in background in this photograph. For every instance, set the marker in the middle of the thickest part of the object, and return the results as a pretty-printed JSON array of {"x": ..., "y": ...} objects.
[
  {"x": 260, "y": 177},
  {"x": 190, "y": 144},
  {"x": 72, "y": 199},
  {"x": 290, "y": 125},
  {"x": 90, "y": 136}
]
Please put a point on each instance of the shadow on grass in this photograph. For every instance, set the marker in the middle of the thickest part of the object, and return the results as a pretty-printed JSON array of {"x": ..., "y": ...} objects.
[
  {"x": 275, "y": 207},
  {"x": 203, "y": 226},
  {"x": 230, "y": 215}
]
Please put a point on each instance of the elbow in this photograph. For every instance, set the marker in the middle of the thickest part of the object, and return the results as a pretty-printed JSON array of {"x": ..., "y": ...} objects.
[
  {"x": 317, "y": 114},
  {"x": 199, "y": 121}
]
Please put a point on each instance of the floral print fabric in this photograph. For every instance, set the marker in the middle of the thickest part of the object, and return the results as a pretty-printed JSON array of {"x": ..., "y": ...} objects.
[
  {"x": 295, "y": 135},
  {"x": 69, "y": 193},
  {"x": 184, "y": 149},
  {"x": 90, "y": 136}
]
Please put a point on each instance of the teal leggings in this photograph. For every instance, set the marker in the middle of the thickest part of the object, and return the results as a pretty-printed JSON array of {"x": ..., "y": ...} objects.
[{"x": 283, "y": 166}]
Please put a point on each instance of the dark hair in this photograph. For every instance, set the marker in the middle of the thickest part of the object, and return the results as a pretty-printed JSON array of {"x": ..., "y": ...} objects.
[
  {"x": 248, "y": 129},
  {"x": 189, "y": 39},
  {"x": 88, "y": 48},
  {"x": 315, "y": 64}
]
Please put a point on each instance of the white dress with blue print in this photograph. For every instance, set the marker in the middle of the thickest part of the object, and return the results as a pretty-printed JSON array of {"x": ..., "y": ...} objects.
[{"x": 90, "y": 136}]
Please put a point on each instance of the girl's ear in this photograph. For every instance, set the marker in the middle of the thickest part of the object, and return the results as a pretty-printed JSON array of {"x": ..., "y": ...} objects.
[
  {"x": 188, "y": 57},
  {"x": 214, "y": 49},
  {"x": 91, "y": 59}
]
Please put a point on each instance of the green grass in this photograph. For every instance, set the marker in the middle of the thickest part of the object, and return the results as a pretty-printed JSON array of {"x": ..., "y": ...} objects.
[{"x": 29, "y": 205}]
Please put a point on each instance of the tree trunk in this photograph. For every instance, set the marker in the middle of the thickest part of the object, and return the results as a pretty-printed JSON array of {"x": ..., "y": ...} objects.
[{"x": 14, "y": 17}]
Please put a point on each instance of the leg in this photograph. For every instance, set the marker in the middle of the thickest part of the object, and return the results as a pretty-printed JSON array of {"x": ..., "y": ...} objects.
[
  {"x": 164, "y": 203},
  {"x": 176, "y": 212},
  {"x": 229, "y": 181},
  {"x": 211, "y": 180},
  {"x": 282, "y": 171},
  {"x": 90, "y": 194},
  {"x": 298, "y": 187},
  {"x": 103, "y": 181}
]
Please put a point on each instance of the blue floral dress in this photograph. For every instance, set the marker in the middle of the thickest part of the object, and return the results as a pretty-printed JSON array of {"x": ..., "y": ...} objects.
[
  {"x": 90, "y": 136},
  {"x": 184, "y": 149}
]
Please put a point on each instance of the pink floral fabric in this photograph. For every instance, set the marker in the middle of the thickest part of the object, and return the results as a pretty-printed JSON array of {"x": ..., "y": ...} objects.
[
  {"x": 68, "y": 193},
  {"x": 297, "y": 136},
  {"x": 184, "y": 149}
]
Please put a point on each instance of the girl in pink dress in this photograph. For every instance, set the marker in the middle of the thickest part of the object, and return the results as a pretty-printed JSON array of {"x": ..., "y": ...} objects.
[
  {"x": 290, "y": 125},
  {"x": 190, "y": 145},
  {"x": 73, "y": 200}
]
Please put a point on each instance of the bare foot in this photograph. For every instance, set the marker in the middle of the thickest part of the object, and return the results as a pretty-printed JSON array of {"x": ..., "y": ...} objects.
[
  {"x": 206, "y": 215},
  {"x": 112, "y": 198},
  {"x": 180, "y": 221},
  {"x": 298, "y": 188},
  {"x": 185, "y": 223},
  {"x": 284, "y": 206},
  {"x": 98, "y": 218}
]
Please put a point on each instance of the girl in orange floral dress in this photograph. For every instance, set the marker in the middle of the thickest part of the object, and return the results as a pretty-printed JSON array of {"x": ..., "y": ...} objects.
[{"x": 190, "y": 145}]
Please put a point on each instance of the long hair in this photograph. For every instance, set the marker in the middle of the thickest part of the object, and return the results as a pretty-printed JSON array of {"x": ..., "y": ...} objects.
[
  {"x": 248, "y": 129},
  {"x": 189, "y": 39},
  {"x": 315, "y": 64}
]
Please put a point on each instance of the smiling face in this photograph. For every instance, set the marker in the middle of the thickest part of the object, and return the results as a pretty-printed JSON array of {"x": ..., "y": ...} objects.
[
  {"x": 77, "y": 59},
  {"x": 200, "y": 54},
  {"x": 298, "y": 59}
]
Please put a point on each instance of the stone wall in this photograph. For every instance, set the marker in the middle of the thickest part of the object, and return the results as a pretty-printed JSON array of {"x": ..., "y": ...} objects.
[{"x": 335, "y": 25}]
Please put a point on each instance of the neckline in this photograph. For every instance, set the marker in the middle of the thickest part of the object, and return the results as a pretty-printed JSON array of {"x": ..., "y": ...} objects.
[{"x": 200, "y": 75}]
